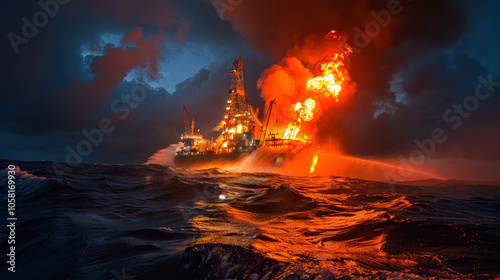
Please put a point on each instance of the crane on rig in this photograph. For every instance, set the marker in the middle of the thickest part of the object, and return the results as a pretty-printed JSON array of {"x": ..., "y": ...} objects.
[
  {"x": 265, "y": 123},
  {"x": 186, "y": 120},
  {"x": 188, "y": 130}
]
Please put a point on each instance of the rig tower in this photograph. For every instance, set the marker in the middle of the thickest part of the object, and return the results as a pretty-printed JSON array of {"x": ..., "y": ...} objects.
[{"x": 238, "y": 130}]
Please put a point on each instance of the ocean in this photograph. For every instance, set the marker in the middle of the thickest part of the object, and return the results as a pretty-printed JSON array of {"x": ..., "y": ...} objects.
[{"x": 120, "y": 222}]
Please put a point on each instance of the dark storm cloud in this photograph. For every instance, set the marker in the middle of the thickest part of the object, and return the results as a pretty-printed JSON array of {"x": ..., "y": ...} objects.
[
  {"x": 275, "y": 27},
  {"x": 108, "y": 71},
  {"x": 153, "y": 13},
  {"x": 431, "y": 85}
]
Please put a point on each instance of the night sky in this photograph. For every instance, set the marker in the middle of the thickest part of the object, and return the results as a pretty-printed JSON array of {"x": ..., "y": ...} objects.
[{"x": 89, "y": 58}]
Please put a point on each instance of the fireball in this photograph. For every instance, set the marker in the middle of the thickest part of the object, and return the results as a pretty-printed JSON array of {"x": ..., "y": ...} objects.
[{"x": 329, "y": 84}]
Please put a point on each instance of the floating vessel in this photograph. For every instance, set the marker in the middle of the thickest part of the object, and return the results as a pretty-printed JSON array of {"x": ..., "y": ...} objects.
[{"x": 239, "y": 127}]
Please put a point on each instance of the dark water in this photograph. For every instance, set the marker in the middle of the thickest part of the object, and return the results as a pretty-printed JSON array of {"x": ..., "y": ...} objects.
[{"x": 156, "y": 222}]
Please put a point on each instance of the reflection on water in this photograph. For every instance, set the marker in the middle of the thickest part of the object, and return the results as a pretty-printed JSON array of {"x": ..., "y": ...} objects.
[{"x": 318, "y": 223}]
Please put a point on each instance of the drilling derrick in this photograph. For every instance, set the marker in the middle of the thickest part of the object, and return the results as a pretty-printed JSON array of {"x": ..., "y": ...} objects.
[
  {"x": 238, "y": 130},
  {"x": 237, "y": 95}
]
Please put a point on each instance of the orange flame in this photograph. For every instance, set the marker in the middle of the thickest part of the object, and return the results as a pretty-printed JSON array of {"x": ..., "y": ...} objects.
[
  {"x": 334, "y": 74},
  {"x": 306, "y": 110},
  {"x": 329, "y": 83},
  {"x": 292, "y": 130},
  {"x": 304, "y": 113},
  {"x": 333, "y": 35}
]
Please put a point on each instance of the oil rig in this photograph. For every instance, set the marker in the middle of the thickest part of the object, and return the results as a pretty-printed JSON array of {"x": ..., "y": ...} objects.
[{"x": 239, "y": 128}]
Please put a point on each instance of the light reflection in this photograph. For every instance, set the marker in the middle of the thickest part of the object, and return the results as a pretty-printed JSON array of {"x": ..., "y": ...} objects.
[
  {"x": 214, "y": 230},
  {"x": 323, "y": 223},
  {"x": 323, "y": 236}
]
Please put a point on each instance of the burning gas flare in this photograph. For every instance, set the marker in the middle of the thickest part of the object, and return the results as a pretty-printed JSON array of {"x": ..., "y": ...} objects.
[
  {"x": 334, "y": 76},
  {"x": 305, "y": 94},
  {"x": 329, "y": 84}
]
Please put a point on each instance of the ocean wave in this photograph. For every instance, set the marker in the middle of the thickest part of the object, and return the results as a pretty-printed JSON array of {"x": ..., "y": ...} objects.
[{"x": 157, "y": 222}]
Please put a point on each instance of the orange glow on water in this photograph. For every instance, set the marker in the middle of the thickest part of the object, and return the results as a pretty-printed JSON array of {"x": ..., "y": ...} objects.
[
  {"x": 314, "y": 162},
  {"x": 305, "y": 236}
]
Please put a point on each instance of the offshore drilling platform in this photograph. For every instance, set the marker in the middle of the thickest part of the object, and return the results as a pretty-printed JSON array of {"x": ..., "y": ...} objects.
[{"x": 242, "y": 131}]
